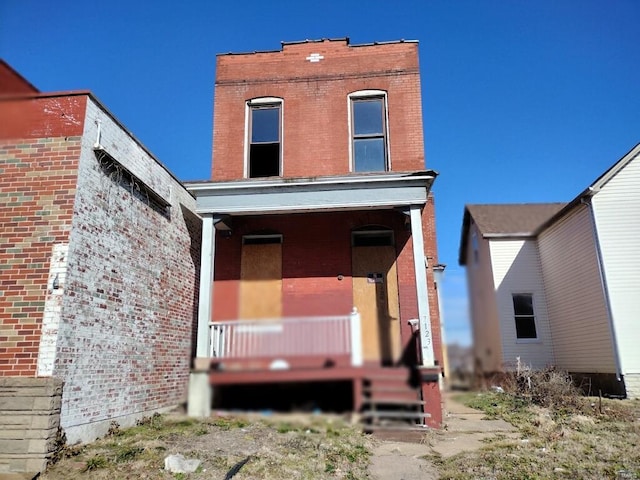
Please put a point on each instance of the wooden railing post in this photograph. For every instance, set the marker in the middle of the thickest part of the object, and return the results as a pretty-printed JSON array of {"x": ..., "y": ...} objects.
[{"x": 356, "y": 338}]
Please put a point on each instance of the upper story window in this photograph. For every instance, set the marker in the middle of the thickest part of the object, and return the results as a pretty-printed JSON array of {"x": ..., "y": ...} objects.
[
  {"x": 264, "y": 131},
  {"x": 369, "y": 137},
  {"x": 524, "y": 316}
]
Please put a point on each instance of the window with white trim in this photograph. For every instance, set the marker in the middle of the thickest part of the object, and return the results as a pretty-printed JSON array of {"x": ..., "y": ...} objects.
[
  {"x": 264, "y": 132},
  {"x": 524, "y": 316},
  {"x": 369, "y": 136}
]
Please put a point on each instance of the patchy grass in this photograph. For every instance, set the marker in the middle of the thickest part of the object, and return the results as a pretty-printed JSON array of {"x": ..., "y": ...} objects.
[
  {"x": 563, "y": 437},
  {"x": 261, "y": 449}
]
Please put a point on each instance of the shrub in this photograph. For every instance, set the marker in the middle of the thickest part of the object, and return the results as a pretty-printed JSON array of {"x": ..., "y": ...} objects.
[{"x": 549, "y": 387}]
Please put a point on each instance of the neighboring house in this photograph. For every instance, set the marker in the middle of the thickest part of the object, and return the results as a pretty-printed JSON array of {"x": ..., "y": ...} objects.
[
  {"x": 318, "y": 232},
  {"x": 99, "y": 259},
  {"x": 559, "y": 284}
]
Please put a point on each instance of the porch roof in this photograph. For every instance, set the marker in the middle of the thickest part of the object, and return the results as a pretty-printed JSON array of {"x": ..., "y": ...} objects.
[{"x": 281, "y": 195}]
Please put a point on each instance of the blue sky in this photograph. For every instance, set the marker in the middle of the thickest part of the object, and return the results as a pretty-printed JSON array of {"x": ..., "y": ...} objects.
[{"x": 523, "y": 101}]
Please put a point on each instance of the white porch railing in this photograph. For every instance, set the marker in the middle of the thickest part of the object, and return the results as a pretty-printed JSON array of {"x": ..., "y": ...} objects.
[{"x": 288, "y": 337}]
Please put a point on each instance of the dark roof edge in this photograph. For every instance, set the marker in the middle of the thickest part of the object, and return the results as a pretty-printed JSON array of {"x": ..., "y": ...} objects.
[
  {"x": 320, "y": 40},
  {"x": 100, "y": 105},
  {"x": 466, "y": 223},
  {"x": 316, "y": 40}
]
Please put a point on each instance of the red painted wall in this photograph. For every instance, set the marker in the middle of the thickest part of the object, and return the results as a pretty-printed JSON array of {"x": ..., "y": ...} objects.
[
  {"x": 316, "y": 135},
  {"x": 42, "y": 116},
  {"x": 12, "y": 83},
  {"x": 316, "y": 249}
]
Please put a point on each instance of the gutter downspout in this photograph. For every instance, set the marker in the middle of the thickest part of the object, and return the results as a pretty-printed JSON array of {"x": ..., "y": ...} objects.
[{"x": 587, "y": 200}]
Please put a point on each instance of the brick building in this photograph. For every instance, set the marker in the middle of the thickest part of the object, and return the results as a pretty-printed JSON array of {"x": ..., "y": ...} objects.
[
  {"x": 319, "y": 233},
  {"x": 99, "y": 254}
]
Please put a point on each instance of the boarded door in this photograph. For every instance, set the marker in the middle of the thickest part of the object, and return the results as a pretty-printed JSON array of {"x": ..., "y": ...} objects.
[
  {"x": 375, "y": 294},
  {"x": 261, "y": 281}
]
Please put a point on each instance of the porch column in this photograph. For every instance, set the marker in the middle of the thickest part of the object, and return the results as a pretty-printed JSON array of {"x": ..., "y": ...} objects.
[
  {"x": 420, "y": 266},
  {"x": 199, "y": 400},
  {"x": 206, "y": 283}
]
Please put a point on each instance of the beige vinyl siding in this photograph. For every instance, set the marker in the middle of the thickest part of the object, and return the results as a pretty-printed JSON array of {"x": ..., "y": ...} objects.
[
  {"x": 516, "y": 269},
  {"x": 575, "y": 302},
  {"x": 482, "y": 306},
  {"x": 617, "y": 214}
]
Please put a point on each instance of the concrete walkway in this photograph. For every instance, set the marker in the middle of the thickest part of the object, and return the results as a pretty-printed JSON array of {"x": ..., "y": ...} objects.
[{"x": 464, "y": 430}]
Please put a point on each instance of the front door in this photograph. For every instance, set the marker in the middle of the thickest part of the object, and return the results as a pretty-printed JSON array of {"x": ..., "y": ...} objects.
[
  {"x": 375, "y": 294},
  {"x": 261, "y": 278}
]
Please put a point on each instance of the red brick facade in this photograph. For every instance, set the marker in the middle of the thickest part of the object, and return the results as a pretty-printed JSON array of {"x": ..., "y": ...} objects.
[
  {"x": 315, "y": 104},
  {"x": 315, "y": 139}
]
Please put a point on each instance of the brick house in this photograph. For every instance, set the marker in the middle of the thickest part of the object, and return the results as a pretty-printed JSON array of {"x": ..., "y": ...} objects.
[
  {"x": 99, "y": 254},
  {"x": 319, "y": 234}
]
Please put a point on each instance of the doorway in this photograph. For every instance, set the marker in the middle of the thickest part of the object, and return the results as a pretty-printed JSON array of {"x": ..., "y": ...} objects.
[{"x": 375, "y": 294}]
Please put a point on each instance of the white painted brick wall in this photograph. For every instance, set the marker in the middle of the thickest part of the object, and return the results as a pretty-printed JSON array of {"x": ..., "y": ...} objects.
[
  {"x": 52, "y": 309},
  {"x": 124, "y": 344}
]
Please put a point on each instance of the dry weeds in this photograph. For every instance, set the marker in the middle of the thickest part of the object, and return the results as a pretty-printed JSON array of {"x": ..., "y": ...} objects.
[
  {"x": 563, "y": 435},
  {"x": 322, "y": 449}
]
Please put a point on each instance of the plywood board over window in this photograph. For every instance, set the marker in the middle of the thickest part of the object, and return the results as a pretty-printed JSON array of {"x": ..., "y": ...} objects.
[{"x": 261, "y": 278}]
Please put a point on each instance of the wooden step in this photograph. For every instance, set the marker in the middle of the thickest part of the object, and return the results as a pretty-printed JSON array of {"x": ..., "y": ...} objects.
[
  {"x": 399, "y": 393},
  {"x": 393, "y": 414},
  {"x": 396, "y": 428},
  {"x": 387, "y": 383},
  {"x": 394, "y": 401}
]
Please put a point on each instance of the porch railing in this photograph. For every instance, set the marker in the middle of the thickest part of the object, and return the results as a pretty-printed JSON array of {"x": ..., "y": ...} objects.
[{"x": 288, "y": 337}]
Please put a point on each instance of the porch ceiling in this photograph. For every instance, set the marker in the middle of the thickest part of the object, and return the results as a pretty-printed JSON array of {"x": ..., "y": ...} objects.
[{"x": 281, "y": 195}]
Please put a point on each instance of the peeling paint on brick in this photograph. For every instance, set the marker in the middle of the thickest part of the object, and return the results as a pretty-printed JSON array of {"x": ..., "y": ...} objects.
[
  {"x": 124, "y": 341},
  {"x": 118, "y": 329},
  {"x": 52, "y": 310}
]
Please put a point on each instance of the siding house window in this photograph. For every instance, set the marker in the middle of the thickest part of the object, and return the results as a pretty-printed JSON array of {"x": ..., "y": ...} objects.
[
  {"x": 369, "y": 143},
  {"x": 265, "y": 138},
  {"x": 524, "y": 316}
]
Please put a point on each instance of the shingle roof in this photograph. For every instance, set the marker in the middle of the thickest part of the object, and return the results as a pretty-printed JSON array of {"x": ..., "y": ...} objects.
[
  {"x": 504, "y": 220},
  {"x": 512, "y": 219},
  {"x": 529, "y": 219}
]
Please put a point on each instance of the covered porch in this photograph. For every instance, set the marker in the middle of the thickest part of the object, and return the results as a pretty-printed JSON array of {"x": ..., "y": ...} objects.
[{"x": 284, "y": 263}]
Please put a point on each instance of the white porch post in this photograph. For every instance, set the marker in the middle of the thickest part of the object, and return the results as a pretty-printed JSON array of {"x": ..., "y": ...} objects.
[
  {"x": 356, "y": 338},
  {"x": 199, "y": 400},
  {"x": 206, "y": 284},
  {"x": 420, "y": 266}
]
